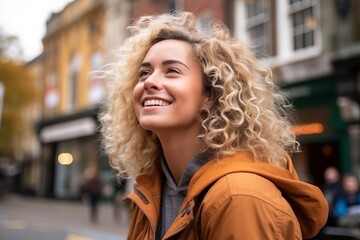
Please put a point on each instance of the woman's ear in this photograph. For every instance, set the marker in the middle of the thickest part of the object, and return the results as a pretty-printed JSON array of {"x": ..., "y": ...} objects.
[{"x": 207, "y": 101}]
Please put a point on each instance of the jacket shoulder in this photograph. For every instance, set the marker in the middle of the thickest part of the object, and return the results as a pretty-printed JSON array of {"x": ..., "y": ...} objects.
[
  {"x": 254, "y": 199},
  {"x": 245, "y": 184}
]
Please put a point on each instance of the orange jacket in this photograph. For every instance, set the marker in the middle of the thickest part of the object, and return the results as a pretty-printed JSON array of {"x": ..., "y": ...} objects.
[{"x": 244, "y": 200}]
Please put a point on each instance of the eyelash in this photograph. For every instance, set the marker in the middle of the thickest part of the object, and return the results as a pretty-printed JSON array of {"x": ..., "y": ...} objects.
[{"x": 172, "y": 69}]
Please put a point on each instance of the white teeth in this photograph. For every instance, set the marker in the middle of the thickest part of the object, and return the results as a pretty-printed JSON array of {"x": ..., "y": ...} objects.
[{"x": 155, "y": 102}]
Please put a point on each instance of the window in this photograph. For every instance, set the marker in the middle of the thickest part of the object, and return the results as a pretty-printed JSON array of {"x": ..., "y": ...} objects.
[
  {"x": 171, "y": 6},
  {"x": 74, "y": 70},
  {"x": 304, "y": 23},
  {"x": 204, "y": 21},
  {"x": 96, "y": 61},
  {"x": 51, "y": 94},
  {"x": 96, "y": 85},
  {"x": 260, "y": 22},
  {"x": 279, "y": 32}
]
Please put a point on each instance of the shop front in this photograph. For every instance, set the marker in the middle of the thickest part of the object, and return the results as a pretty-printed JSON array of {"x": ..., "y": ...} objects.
[
  {"x": 319, "y": 128},
  {"x": 69, "y": 145}
]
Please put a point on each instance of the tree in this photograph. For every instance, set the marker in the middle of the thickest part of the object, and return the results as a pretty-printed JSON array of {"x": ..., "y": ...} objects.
[
  {"x": 19, "y": 94},
  {"x": 10, "y": 47}
]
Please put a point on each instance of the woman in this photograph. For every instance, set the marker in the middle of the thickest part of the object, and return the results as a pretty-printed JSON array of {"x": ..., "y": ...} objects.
[{"x": 199, "y": 122}]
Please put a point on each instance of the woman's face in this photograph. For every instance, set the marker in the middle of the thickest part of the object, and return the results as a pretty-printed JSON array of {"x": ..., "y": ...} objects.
[{"x": 170, "y": 90}]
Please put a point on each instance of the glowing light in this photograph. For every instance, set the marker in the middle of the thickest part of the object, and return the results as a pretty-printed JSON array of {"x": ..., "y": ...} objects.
[
  {"x": 65, "y": 158},
  {"x": 308, "y": 129},
  {"x": 310, "y": 22}
]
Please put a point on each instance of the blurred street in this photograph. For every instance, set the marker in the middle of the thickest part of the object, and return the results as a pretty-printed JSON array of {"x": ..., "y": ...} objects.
[{"x": 44, "y": 219}]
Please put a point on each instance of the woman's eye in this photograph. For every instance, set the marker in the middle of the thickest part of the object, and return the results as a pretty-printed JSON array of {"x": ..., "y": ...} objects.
[
  {"x": 144, "y": 73},
  {"x": 172, "y": 70}
]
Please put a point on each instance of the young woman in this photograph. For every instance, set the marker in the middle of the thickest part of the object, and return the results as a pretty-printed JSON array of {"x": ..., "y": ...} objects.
[{"x": 201, "y": 125}]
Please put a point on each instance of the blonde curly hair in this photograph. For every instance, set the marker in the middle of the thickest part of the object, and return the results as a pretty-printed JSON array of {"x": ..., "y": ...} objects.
[{"x": 246, "y": 110}]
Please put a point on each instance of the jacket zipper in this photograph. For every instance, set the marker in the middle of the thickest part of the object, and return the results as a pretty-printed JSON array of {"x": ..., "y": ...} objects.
[{"x": 185, "y": 213}]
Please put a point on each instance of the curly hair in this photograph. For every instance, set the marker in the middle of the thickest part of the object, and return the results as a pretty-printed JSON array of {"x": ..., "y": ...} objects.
[{"x": 246, "y": 110}]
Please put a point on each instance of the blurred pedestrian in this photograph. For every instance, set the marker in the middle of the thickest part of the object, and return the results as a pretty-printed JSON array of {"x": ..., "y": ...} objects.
[
  {"x": 119, "y": 190},
  {"x": 11, "y": 177},
  {"x": 347, "y": 206},
  {"x": 2, "y": 185},
  {"x": 207, "y": 136},
  {"x": 332, "y": 190},
  {"x": 92, "y": 189}
]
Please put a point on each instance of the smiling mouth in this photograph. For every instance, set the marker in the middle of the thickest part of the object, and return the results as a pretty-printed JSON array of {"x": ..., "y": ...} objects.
[{"x": 155, "y": 102}]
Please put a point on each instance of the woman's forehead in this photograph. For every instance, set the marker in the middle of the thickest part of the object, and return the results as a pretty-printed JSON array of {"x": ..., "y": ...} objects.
[{"x": 170, "y": 49}]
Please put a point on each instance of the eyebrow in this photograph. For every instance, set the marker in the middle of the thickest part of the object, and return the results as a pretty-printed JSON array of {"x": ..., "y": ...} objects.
[{"x": 166, "y": 62}]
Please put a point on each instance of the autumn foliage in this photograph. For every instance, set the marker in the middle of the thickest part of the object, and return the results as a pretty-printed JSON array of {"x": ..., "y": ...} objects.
[{"x": 19, "y": 94}]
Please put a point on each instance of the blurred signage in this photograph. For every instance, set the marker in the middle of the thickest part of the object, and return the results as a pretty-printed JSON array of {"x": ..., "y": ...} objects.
[
  {"x": 68, "y": 130},
  {"x": 296, "y": 92}
]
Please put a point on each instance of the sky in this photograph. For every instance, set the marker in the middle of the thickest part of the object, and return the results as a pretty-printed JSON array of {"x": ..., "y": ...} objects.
[{"x": 26, "y": 19}]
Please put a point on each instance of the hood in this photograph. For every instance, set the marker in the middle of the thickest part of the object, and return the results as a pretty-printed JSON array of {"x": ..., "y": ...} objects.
[{"x": 306, "y": 200}]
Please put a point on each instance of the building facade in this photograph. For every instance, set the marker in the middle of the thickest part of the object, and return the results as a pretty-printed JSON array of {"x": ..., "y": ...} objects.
[
  {"x": 311, "y": 47},
  {"x": 76, "y": 45}
]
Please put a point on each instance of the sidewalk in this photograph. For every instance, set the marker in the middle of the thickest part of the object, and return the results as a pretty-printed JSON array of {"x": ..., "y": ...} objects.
[{"x": 72, "y": 216}]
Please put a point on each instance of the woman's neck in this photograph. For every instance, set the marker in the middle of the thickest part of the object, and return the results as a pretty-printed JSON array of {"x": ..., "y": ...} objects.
[{"x": 178, "y": 151}]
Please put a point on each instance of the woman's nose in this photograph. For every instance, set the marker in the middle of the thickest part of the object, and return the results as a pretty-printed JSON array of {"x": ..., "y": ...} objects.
[{"x": 152, "y": 82}]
